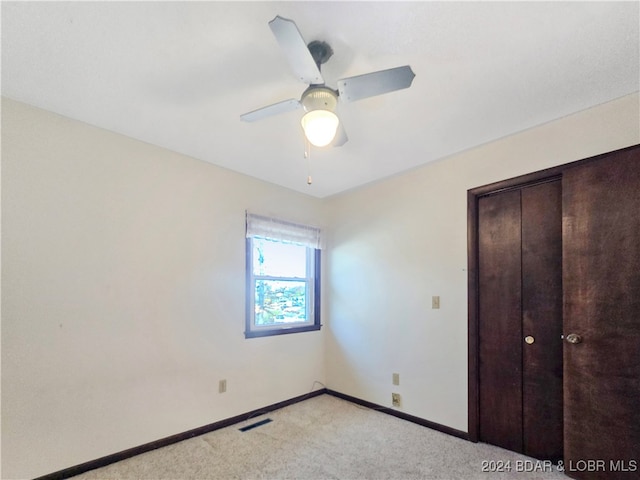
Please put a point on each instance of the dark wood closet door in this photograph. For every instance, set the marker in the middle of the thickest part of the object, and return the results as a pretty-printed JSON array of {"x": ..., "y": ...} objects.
[
  {"x": 542, "y": 320},
  {"x": 500, "y": 328},
  {"x": 601, "y": 256},
  {"x": 520, "y": 296}
]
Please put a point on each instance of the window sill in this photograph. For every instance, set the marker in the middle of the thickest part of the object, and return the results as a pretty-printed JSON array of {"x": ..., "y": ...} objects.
[{"x": 281, "y": 331}]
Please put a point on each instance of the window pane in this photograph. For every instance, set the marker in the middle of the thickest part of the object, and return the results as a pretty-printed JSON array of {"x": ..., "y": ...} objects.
[
  {"x": 276, "y": 259},
  {"x": 278, "y": 302}
]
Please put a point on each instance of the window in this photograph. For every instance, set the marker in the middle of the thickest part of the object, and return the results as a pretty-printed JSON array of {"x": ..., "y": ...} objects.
[{"x": 283, "y": 277}]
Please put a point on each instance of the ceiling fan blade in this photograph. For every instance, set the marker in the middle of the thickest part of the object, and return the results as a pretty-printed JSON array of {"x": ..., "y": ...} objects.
[
  {"x": 296, "y": 50},
  {"x": 376, "y": 83},
  {"x": 275, "y": 109},
  {"x": 341, "y": 136}
]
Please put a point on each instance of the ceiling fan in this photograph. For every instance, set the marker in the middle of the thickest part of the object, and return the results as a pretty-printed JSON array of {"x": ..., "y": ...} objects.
[{"x": 320, "y": 123}]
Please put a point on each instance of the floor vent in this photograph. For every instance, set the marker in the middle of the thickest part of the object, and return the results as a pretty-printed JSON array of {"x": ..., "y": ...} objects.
[{"x": 254, "y": 425}]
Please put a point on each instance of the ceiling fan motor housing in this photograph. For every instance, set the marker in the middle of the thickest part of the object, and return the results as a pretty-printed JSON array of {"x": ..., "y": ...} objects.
[
  {"x": 320, "y": 51},
  {"x": 319, "y": 98}
]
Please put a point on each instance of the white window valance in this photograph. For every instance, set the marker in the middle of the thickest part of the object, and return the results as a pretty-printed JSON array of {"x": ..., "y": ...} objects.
[{"x": 282, "y": 230}]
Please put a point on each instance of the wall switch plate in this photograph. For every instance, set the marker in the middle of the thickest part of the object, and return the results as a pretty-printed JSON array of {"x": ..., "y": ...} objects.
[
  {"x": 395, "y": 399},
  {"x": 396, "y": 378},
  {"x": 222, "y": 386},
  {"x": 435, "y": 301}
]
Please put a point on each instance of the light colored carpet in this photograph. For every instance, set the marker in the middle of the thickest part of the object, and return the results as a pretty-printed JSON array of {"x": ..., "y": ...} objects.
[{"x": 323, "y": 438}]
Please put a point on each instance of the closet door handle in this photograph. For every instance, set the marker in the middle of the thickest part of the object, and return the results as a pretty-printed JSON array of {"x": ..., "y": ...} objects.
[
  {"x": 529, "y": 339},
  {"x": 574, "y": 338}
]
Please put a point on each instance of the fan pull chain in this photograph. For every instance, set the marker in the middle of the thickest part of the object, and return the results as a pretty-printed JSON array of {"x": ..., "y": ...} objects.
[{"x": 307, "y": 155}]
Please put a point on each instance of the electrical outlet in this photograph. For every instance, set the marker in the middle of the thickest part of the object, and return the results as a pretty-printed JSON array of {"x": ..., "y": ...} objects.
[
  {"x": 435, "y": 301},
  {"x": 222, "y": 386},
  {"x": 396, "y": 378},
  {"x": 395, "y": 399}
]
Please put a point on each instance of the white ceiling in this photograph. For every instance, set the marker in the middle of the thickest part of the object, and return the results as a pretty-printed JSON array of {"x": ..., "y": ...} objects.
[{"x": 179, "y": 74}]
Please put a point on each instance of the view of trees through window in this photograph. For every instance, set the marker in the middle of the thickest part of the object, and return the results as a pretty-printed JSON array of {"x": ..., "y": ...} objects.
[
  {"x": 280, "y": 302},
  {"x": 280, "y": 272}
]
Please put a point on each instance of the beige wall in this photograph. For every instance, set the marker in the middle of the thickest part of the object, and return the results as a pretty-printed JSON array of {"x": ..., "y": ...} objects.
[
  {"x": 123, "y": 284},
  {"x": 123, "y": 294},
  {"x": 399, "y": 242}
]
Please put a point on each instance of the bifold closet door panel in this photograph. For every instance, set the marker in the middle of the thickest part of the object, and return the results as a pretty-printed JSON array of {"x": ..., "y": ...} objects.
[
  {"x": 601, "y": 281},
  {"x": 542, "y": 320},
  {"x": 500, "y": 332}
]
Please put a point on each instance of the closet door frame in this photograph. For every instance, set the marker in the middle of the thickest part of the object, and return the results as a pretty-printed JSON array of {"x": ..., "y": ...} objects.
[{"x": 473, "y": 196}]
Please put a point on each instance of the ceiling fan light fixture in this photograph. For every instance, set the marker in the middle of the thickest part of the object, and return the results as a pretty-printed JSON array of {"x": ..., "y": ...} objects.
[
  {"x": 320, "y": 127},
  {"x": 320, "y": 123}
]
